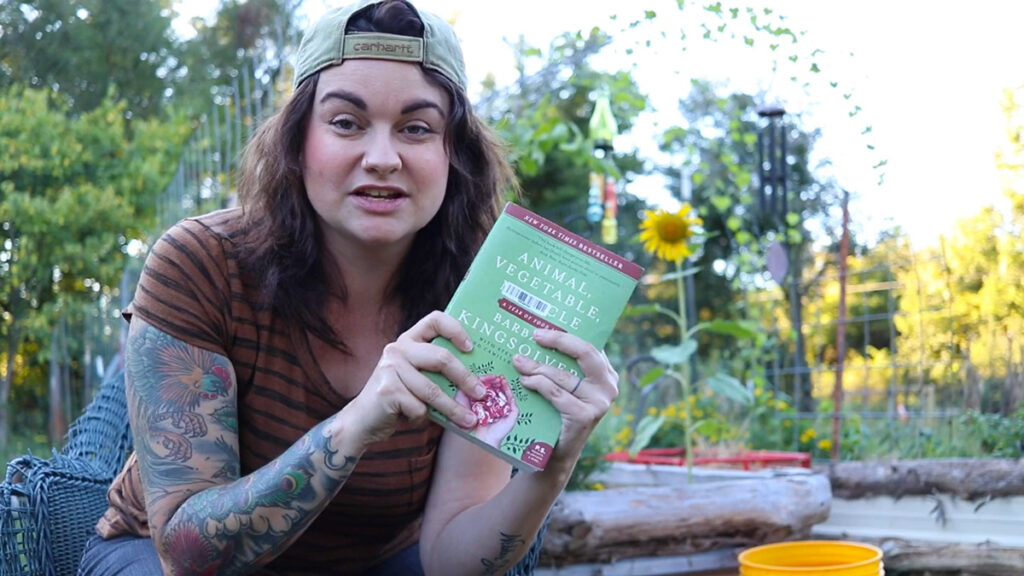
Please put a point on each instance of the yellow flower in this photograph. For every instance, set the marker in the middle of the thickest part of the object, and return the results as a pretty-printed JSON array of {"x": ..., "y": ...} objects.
[
  {"x": 597, "y": 486},
  {"x": 667, "y": 234},
  {"x": 825, "y": 444},
  {"x": 652, "y": 411}
]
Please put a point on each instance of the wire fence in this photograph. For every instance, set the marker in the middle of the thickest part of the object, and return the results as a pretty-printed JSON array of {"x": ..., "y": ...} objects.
[
  {"x": 205, "y": 177},
  {"x": 904, "y": 376}
]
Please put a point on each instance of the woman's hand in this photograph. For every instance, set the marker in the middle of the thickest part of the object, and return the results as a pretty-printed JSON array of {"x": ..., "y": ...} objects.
[
  {"x": 398, "y": 389},
  {"x": 582, "y": 400}
]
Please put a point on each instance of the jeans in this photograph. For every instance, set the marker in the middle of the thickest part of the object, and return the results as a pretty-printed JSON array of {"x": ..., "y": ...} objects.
[{"x": 133, "y": 556}]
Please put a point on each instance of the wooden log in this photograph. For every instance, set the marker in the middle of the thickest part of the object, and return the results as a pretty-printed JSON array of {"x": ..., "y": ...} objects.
[
  {"x": 630, "y": 522},
  {"x": 969, "y": 479},
  {"x": 906, "y": 556}
]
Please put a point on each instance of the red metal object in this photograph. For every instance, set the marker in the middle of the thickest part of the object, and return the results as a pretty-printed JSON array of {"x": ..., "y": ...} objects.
[{"x": 750, "y": 460}]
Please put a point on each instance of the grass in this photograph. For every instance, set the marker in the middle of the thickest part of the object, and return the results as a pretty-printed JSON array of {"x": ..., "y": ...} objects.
[{"x": 20, "y": 443}]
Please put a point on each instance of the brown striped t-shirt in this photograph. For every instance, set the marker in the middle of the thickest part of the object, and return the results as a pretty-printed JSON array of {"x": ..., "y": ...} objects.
[{"x": 192, "y": 289}]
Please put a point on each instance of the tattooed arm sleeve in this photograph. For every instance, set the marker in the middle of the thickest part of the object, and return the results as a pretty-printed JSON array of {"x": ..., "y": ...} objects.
[{"x": 204, "y": 517}]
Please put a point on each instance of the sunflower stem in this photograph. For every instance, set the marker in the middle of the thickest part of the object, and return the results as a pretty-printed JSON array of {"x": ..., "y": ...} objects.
[
  {"x": 683, "y": 373},
  {"x": 670, "y": 313}
]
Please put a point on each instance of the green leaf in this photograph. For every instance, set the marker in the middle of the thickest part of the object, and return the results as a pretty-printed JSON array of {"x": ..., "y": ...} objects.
[
  {"x": 721, "y": 203},
  {"x": 651, "y": 376},
  {"x": 725, "y": 385},
  {"x": 737, "y": 328},
  {"x": 744, "y": 238},
  {"x": 695, "y": 427},
  {"x": 671, "y": 355},
  {"x": 645, "y": 431},
  {"x": 734, "y": 223},
  {"x": 792, "y": 218}
]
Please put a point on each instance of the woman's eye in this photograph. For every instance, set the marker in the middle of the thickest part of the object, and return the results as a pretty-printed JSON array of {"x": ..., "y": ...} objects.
[
  {"x": 343, "y": 123},
  {"x": 417, "y": 130}
]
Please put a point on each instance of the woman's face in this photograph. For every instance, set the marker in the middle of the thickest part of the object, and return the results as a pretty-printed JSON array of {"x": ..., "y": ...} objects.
[{"x": 374, "y": 161}]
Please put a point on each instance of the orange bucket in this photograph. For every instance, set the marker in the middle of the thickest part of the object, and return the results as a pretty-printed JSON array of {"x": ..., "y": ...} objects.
[{"x": 812, "y": 558}]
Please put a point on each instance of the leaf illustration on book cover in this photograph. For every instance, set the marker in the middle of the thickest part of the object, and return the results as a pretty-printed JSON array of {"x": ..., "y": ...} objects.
[
  {"x": 525, "y": 419},
  {"x": 482, "y": 368},
  {"x": 515, "y": 444},
  {"x": 518, "y": 390}
]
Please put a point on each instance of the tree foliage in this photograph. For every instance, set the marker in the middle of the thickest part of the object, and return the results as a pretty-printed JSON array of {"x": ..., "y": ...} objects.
[
  {"x": 74, "y": 192},
  {"x": 544, "y": 116},
  {"x": 87, "y": 49},
  {"x": 247, "y": 37},
  {"x": 95, "y": 102}
]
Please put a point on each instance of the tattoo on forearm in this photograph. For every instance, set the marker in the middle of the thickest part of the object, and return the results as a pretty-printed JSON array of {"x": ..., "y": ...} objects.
[
  {"x": 510, "y": 545},
  {"x": 243, "y": 523},
  {"x": 185, "y": 422},
  {"x": 333, "y": 460}
]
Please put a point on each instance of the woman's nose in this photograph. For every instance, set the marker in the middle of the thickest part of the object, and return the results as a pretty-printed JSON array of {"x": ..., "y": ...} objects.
[{"x": 380, "y": 155}]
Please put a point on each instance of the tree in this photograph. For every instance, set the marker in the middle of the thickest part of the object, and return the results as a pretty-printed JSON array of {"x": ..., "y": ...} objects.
[
  {"x": 247, "y": 38},
  {"x": 75, "y": 193},
  {"x": 84, "y": 50}
]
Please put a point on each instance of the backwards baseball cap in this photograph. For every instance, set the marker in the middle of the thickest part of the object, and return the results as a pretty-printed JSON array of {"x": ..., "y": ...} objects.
[{"x": 328, "y": 44}]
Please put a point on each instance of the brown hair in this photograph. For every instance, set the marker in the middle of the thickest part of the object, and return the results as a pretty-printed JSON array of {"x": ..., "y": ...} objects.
[{"x": 280, "y": 244}]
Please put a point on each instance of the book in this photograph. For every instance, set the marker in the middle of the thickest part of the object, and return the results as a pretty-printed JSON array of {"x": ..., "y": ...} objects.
[{"x": 529, "y": 273}]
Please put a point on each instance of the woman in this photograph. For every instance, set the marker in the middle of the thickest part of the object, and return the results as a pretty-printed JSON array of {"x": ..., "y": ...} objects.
[{"x": 275, "y": 352}]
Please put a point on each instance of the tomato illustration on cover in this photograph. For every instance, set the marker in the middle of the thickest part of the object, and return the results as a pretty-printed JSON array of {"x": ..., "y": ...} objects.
[
  {"x": 496, "y": 404},
  {"x": 496, "y": 412}
]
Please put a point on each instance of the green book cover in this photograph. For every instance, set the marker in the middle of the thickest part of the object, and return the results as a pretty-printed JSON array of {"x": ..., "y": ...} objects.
[{"x": 530, "y": 273}]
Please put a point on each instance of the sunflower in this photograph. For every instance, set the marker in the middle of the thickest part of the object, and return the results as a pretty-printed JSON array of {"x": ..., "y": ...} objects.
[{"x": 668, "y": 235}]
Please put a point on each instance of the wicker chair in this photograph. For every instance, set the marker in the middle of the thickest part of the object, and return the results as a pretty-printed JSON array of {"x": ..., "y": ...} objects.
[{"x": 48, "y": 507}]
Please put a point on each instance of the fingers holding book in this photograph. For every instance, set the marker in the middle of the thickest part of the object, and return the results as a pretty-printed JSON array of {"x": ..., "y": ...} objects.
[
  {"x": 398, "y": 388},
  {"x": 582, "y": 399}
]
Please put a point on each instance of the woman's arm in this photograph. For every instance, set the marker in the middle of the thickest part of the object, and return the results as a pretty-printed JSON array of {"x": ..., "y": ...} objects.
[
  {"x": 479, "y": 522},
  {"x": 204, "y": 517}
]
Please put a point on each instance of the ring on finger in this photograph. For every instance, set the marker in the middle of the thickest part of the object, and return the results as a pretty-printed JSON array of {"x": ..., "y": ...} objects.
[{"x": 578, "y": 382}]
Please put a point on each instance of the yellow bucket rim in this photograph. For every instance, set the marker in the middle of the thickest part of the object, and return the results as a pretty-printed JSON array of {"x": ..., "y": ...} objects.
[{"x": 876, "y": 558}]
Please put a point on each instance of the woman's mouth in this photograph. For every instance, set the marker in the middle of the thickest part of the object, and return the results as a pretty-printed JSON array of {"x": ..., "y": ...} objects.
[{"x": 378, "y": 194}]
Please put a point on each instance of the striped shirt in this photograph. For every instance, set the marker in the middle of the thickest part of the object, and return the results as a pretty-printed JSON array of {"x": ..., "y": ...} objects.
[{"x": 192, "y": 289}]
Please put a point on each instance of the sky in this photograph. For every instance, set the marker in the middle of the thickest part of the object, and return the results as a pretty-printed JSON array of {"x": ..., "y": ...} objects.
[{"x": 927, "y": 77}]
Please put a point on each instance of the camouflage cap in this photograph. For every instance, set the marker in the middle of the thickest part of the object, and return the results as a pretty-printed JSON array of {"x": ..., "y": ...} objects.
[{"x": 327, "y": 44}]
